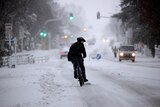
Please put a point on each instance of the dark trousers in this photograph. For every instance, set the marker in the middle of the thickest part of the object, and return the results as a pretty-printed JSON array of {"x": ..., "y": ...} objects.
[
  {"x": 81, "y": 64},
  {"x": 115, "y": 54}
]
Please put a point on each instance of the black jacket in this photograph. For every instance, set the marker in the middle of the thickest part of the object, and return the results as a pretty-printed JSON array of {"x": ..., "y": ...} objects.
[{"x": 76, "y": 50}]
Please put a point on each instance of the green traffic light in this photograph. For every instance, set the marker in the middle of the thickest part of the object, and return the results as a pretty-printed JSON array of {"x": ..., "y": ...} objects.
[
  {"x": 43, "y": 34},
  {"x": 71, "y": 16}
]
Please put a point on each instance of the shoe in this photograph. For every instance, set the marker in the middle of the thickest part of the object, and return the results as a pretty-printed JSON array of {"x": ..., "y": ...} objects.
[
  {"x": 85, "y": 80},
  {"x": 75, "y": 76}
]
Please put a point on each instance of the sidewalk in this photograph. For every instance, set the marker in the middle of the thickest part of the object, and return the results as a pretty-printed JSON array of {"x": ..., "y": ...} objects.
[
  {"x": 143, "y": 60},
  {"x": 146, "y": 59},
  {"x": 140, "y": 60}
]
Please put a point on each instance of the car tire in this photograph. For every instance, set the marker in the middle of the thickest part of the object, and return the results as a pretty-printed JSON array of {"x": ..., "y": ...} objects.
[
  {"x": 133, "y": 60},
  {"x": 119, "y": 60}
]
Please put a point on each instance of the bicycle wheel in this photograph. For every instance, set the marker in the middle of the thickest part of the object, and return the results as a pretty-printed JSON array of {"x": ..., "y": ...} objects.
[
  {"x": 81, "y": 82},
  {"x": 80, "y": 75}
]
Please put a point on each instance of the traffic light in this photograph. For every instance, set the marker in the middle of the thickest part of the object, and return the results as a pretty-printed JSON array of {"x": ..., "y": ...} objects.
[
  {"x": 71, "y": 17},
  {"x": 98, "y": 15},
  {"x": 43, "y": 34}
]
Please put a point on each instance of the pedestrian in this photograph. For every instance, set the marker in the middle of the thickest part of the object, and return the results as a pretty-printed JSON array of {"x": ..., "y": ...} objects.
[{"x": 115, "y": 50}]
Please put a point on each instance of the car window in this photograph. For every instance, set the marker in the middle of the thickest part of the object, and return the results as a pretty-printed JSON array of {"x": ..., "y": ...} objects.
[
  {"x": 126, "y": 48},
  {"x": 65, "y": 49}
]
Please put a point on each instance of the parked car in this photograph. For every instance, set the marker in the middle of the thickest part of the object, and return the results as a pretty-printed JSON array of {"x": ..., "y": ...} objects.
[
  {"x": 127, "y": 52},
  {"x": 63, "y": 52}
]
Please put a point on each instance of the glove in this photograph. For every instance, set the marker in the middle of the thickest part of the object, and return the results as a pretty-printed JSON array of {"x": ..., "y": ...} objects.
[{"x": 84, "y": 56}]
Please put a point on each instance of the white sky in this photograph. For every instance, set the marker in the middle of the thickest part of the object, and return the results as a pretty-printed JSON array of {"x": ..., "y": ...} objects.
[{"x": 106, "y": 8}]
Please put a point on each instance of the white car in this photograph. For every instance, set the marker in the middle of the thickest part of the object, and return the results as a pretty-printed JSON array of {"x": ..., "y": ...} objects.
[{"x": 127, "y": 52}]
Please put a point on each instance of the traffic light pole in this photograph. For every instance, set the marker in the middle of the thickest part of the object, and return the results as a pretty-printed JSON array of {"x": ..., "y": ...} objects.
[
  {"x": 50, "y": 20},
  {"x": 49, "y": 40},
  {"x": 49, "y": 33},
  {"x": 104, "y": 17},
  {"x": 99, "y": 16}
]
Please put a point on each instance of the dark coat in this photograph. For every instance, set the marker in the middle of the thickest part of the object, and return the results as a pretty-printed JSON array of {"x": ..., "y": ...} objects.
[{"x": 76, "y": 50}]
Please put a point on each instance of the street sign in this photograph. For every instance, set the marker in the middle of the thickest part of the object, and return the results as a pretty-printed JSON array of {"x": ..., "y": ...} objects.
[
  {"x": 98, "y": 56},
  {"x": 12, "y": 40}
]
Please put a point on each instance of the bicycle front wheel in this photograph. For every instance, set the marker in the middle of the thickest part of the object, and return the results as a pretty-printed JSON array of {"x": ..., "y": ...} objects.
[{"x": 81, "y": 82}]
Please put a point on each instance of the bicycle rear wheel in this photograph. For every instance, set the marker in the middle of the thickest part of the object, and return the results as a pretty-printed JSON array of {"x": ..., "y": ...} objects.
[
  {"x": 81, "y": 81},
  {"x": 80, "y": 75}
]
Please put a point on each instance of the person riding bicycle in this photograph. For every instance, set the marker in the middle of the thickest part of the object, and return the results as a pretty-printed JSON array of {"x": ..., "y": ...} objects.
[{"x": 76, "y": 54}]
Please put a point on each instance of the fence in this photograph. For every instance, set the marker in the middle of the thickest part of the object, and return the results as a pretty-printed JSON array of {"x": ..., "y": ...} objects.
[
  {"x": 4, "y": 61},
  {"x": 22, "y": 60},
  {"x": 157, "y": 52},
  {"x": 41, "y": 59}
]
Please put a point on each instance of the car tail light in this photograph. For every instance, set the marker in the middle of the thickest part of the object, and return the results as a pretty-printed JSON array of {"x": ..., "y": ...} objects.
[{"x": 61, "y": 53}]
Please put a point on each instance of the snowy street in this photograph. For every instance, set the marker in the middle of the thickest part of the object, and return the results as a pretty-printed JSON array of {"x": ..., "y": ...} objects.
[
  {"x": 113, "y": 46},
  {"x": 51, "y": 84}
]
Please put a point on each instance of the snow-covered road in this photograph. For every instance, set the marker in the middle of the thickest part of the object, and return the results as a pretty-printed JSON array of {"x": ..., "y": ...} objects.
[{"x": 51, "y": 84}]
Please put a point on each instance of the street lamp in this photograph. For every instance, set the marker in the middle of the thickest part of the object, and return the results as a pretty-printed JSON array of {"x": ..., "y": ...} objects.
[
  {"x": 84, "y": 29},
  {"x": 65, "y": 36},
  {"x": 45, "y": 34}
]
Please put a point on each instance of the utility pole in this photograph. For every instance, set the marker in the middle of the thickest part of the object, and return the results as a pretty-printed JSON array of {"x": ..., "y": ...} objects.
[{"x": 8, "y": 32}]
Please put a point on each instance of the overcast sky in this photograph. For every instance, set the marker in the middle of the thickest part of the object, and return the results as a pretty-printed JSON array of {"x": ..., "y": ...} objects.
[{"x": 106, "y": 8}]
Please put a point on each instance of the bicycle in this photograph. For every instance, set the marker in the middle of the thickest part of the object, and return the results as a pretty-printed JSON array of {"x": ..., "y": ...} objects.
[{"x": 79, "y": 74}]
